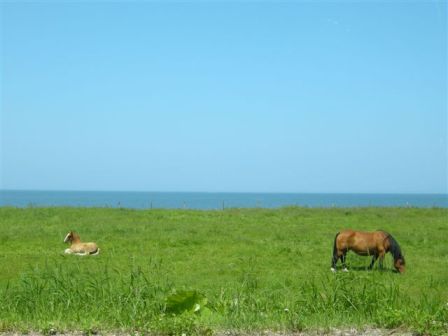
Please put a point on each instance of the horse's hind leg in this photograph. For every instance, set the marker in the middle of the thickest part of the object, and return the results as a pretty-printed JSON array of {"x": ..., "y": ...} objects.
[
  {"x": 343, "y": 261},
  {"x": 334, "y": 260},
  {"x": 336, "y": 255}
]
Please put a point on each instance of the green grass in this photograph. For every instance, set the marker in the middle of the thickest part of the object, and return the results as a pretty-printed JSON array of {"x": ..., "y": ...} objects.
[{"x": 175, "y": 271}]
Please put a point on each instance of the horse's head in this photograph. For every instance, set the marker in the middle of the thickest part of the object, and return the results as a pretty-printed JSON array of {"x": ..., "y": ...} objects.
[
  {"x": 399, "y": 264},
  {"x": 395, "y": 250},
  {"x": 70, "y": 237}
]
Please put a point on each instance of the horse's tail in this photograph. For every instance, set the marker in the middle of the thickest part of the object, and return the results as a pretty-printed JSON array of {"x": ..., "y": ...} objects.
[
  {"x": 335, "y": 249},
  {"x": 335, "y": 258},
  {"x": 394, "y": 248}
]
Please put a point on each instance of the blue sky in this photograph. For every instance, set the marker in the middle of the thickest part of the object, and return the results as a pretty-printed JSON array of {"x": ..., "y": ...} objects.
[{"x": 224, "y": 96}]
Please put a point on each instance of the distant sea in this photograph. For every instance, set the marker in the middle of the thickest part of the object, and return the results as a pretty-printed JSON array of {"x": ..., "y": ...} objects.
[{"x": 203, "y": 200}]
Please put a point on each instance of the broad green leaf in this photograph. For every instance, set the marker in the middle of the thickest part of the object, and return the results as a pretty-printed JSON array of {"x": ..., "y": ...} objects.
[{"x": 182, "y": 301}]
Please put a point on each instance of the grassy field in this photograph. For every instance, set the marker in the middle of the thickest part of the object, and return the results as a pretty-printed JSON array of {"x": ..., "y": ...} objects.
[{"x": 195, "y": 272}]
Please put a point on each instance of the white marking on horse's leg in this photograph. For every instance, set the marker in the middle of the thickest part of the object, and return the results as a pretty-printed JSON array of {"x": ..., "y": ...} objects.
[
  {"x": 345, "y": 269},
  {"x": 68, "y": 251},
  {"x": 333, "y": 269},
  {"x": 97, "y": 252}
]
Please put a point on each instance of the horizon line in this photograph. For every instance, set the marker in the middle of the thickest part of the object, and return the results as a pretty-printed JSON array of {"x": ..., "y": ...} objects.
[{"x": 229, "y": 192}]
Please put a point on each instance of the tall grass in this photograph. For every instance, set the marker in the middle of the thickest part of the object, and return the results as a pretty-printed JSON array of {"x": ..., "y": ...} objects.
[
  {"x": 70, "y": 298},
  {"x": 237, "y": 269}
]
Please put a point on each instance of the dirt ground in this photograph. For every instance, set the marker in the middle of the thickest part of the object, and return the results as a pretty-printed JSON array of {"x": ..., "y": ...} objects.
[{"x": 331, "y": 332}]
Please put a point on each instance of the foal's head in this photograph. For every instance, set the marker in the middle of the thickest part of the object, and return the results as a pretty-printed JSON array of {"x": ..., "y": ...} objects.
[{"x": 71, "y": 237}]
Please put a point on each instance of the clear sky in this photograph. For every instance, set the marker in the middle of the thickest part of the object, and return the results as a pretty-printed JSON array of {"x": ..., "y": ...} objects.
[{"x": 224, "y": 96}]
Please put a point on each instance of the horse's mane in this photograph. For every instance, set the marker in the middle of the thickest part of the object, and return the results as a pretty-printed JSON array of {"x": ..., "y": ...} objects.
[
  {"x": 75, "y": 236},
  {"x": 394, "y": 248}
]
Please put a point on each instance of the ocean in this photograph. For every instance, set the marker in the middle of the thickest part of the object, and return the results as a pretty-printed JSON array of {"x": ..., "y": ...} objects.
[{"x": 204, "y": 200}]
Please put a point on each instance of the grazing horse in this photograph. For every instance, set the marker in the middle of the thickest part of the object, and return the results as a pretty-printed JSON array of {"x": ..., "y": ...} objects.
[
  {"x": 79, "y": 248},
  {"x": 376, "y": 244}
]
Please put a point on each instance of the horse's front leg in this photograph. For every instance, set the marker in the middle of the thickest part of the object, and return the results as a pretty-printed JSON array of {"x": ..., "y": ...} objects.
[
  {"x": 381, "y": 259},
  {"x": 375, "y": 256}
]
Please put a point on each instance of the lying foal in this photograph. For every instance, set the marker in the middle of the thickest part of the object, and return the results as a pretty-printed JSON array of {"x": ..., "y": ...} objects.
[{"x": 79, "y": 248}]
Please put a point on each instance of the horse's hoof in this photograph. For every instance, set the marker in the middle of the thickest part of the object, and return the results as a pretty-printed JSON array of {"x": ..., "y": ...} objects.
[
  {"x": 345, "y": 270},
  {"x": 333, "y": 269}
]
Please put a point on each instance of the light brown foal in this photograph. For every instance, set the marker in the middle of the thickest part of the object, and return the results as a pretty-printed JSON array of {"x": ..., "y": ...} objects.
[{"x": 79, "y": 248}]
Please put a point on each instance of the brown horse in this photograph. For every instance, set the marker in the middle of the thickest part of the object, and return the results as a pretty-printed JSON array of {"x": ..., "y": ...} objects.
[
  {"x": 79, "y": 248},
  {"x": 376, "y": 244}
]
